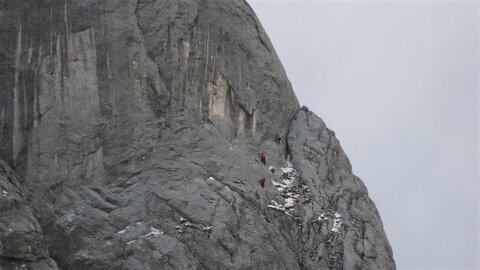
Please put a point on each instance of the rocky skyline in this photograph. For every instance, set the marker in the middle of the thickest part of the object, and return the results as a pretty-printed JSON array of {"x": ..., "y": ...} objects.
[{"x": 130, "y": 132}]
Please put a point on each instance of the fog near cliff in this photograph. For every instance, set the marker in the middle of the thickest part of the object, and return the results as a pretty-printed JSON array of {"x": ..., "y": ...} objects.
[{"x": 398, "y": 82}]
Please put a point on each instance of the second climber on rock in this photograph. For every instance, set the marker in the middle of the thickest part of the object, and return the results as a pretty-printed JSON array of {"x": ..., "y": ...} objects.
[
  {"x": 262, "y": 182},
  {"x": 262, "y": 157}
]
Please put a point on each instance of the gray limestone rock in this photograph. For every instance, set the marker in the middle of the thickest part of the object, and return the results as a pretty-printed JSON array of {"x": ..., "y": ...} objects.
[
  {"x": 325, "y": 169},
  {"x": 134, "y": 129},
  {"x": 21, "y": 239}
]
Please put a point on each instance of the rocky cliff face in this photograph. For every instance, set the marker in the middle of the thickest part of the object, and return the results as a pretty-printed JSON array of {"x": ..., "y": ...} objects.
[{"x": 133, "y": 128}]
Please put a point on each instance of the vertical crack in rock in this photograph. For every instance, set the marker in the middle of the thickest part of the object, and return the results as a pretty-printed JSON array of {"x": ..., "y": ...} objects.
[{"x": 17, "y": 131}]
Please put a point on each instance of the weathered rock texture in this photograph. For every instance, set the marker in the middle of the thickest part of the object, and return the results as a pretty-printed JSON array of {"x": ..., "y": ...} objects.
[
  {"x": 22, "y": 244},
  {"x": 133, "y": 128}
]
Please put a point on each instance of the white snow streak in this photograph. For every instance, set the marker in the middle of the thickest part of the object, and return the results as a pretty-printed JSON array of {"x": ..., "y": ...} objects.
[
  {"x": 337, "y": 222},
  {"x": 289, "y": 203},
  {"x": 153, "y": 232}
]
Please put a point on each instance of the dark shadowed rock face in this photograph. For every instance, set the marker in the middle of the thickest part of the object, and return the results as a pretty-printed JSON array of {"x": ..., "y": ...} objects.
[
  {"x": 134, "y": 127},
  {"x": 21, "y": 239}
]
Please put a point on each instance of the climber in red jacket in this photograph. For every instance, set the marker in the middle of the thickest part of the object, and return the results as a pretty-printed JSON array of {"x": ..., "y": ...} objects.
[
  {"x": 262, "y": 182},
  {"x": 262, "y": 157}
]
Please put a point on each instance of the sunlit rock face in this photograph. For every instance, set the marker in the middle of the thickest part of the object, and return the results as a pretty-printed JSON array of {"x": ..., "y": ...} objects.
[{"x": 133, "y": 129}]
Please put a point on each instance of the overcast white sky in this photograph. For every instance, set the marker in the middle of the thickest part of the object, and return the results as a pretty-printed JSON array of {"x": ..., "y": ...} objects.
[{"x": 399, "y": 83}]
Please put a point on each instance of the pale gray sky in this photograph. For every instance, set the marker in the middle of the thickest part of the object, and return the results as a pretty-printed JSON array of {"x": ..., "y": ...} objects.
[{"x": 399, "y": 83}]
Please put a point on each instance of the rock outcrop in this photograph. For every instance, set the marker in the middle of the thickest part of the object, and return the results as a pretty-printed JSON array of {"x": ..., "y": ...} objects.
[
  {"x": 21, "y": 240},
  {"x": 134, "y": 127}
]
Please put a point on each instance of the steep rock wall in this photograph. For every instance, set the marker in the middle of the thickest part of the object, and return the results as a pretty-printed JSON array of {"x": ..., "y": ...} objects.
[
  {"x": 22, "y": 244},
  {"x": 134, "y": 126}
]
